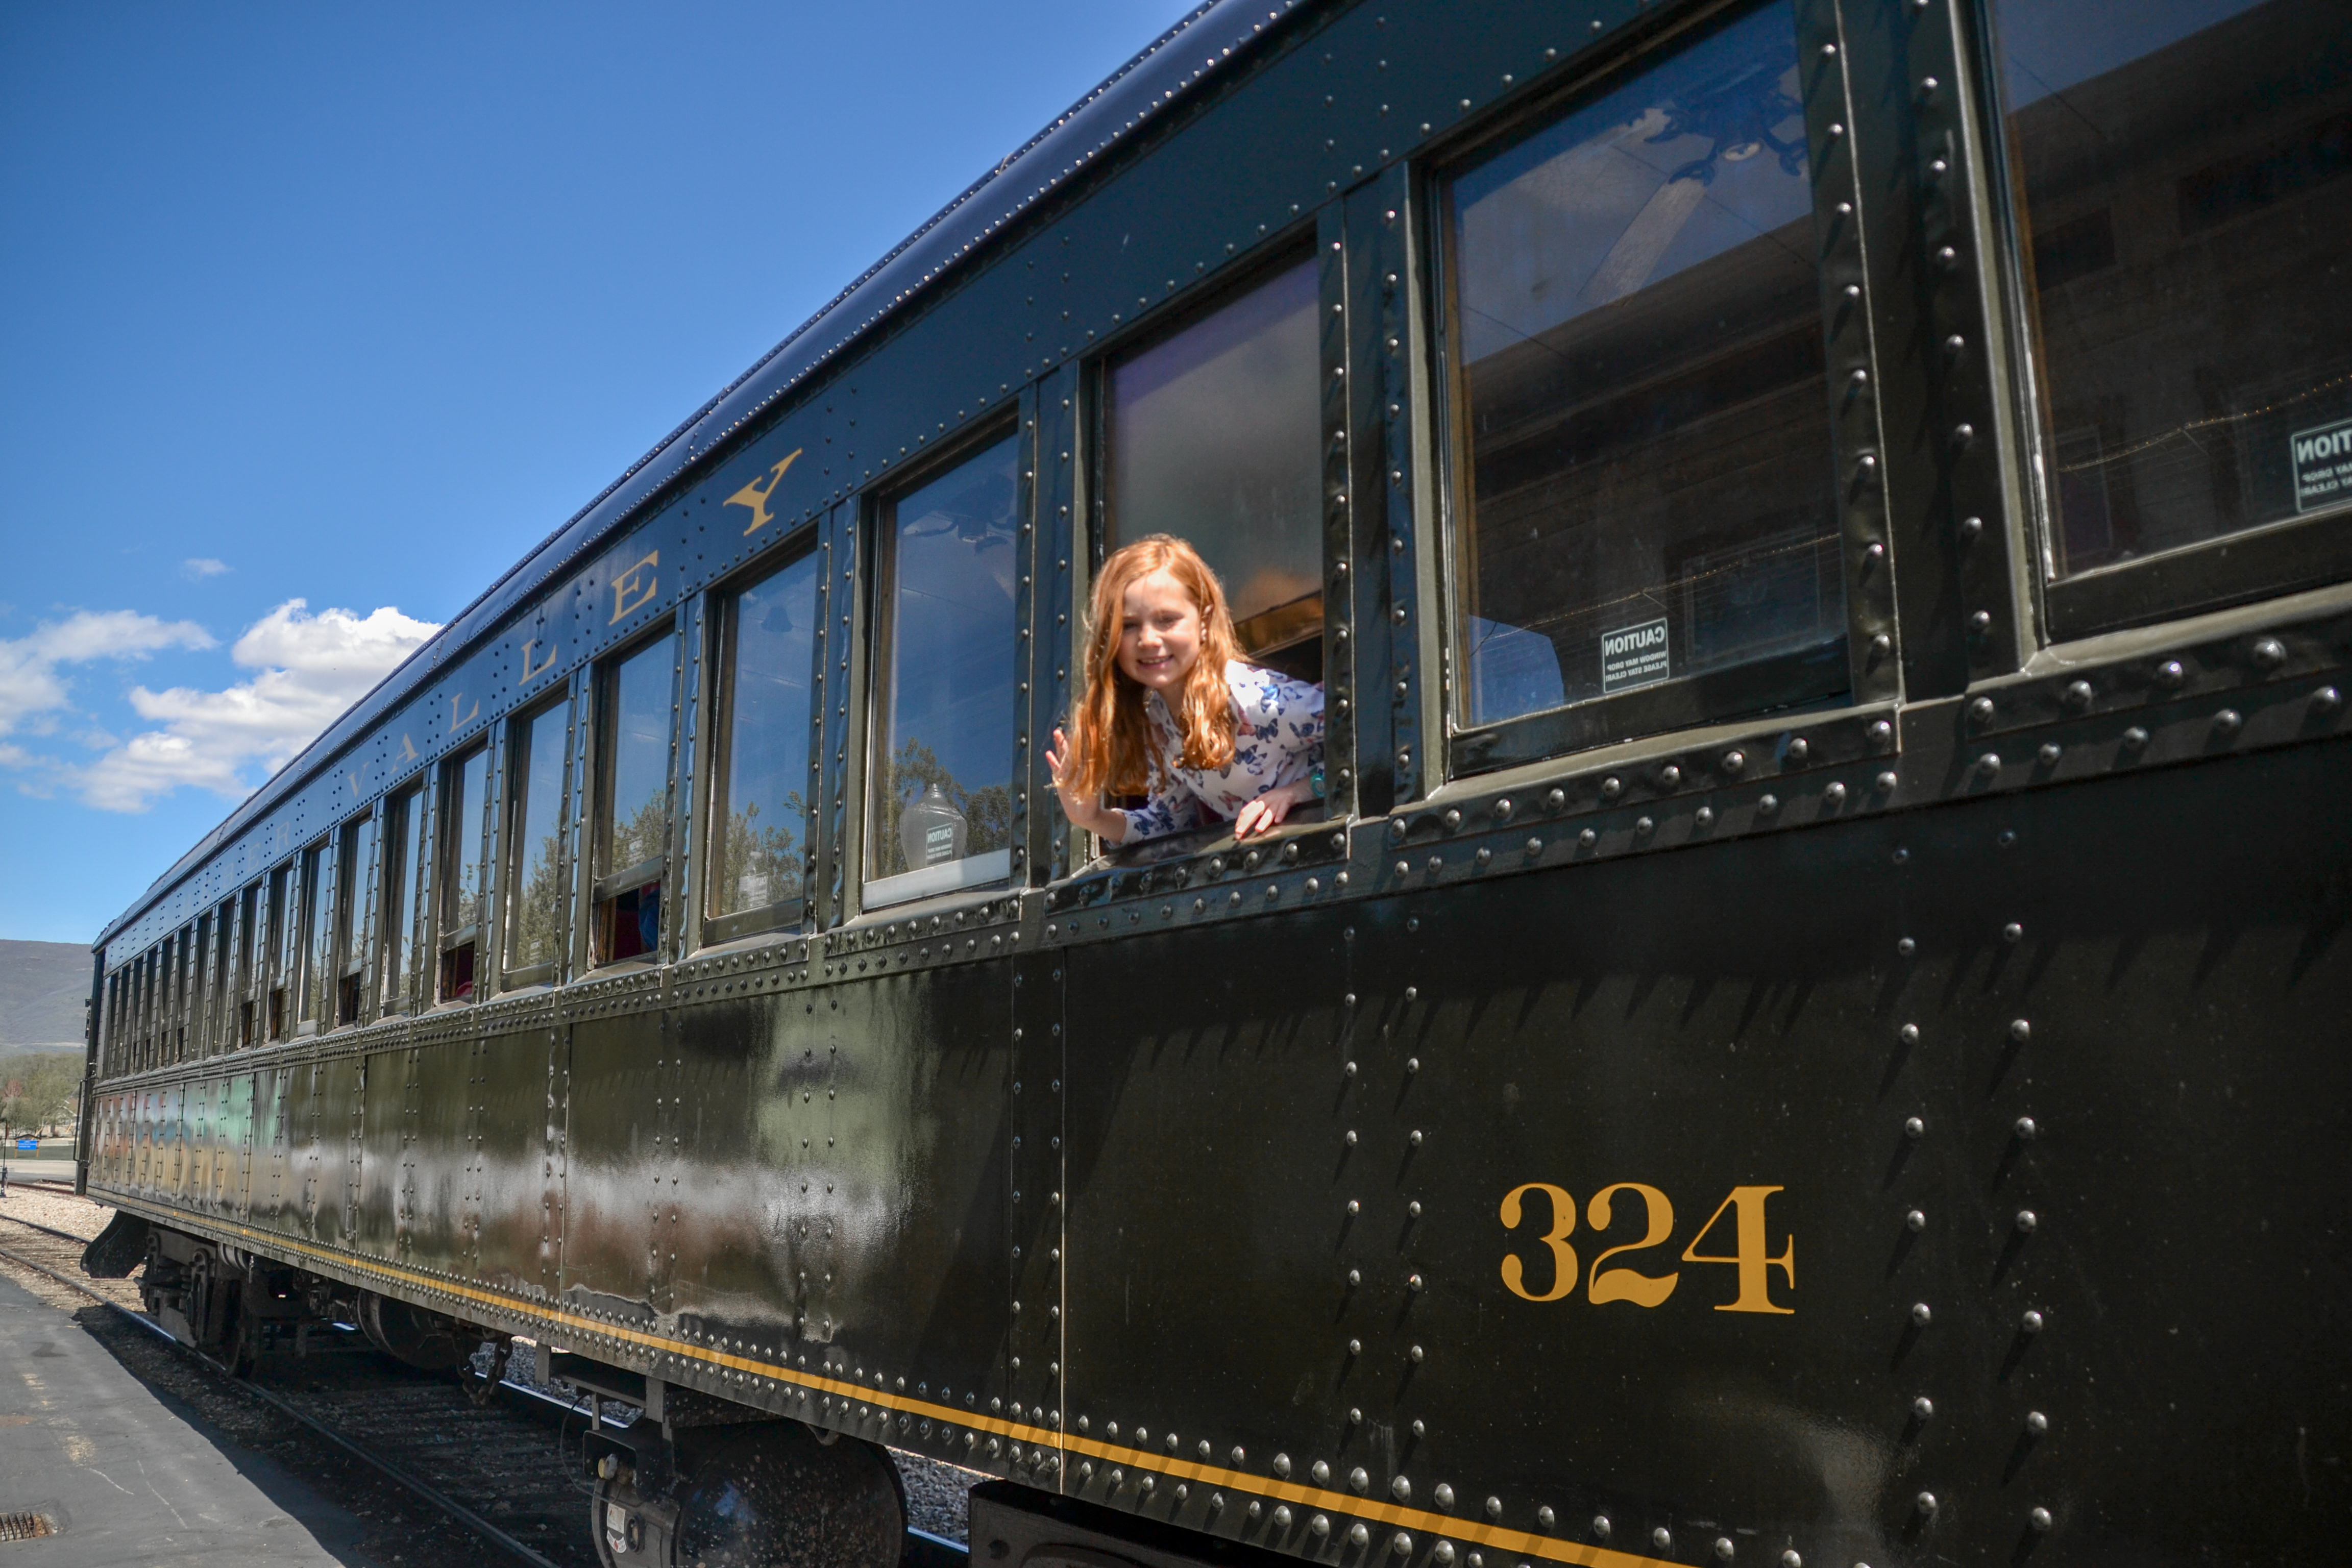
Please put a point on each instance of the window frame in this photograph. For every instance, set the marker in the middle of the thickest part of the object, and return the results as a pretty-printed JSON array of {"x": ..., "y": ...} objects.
[
  {"x": 395, "y": 983},
  {"x": 1652, "y": 716},
  {"x": 352, "y": 913},
  {"x": 513, "y": 789},
  {"x": 604, "y": 887},
  {"x": 804, "y": 543},
  {"x": 2269, "y": 560},
  {"x": 449, "y": 827},
  {"x": 879, "y": 516}
]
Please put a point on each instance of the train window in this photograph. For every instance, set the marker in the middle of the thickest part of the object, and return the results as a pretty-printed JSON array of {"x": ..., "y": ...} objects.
[
  {"x": 315, "y": 968},
  {"x": 354, "y": 874},
  {"x": 1213, "y": 433},
  {"x": 464, "y": 784},
  {"x": 248, "y": 963},
  {"x": 635, "y": 698},
  {"x": 284, "y": 955},
  {"x": 1646, "y": 518},
  {"x": 942, "y": 748},
  {"x": 2183, "y": 191},
  {"x": 536, "y": 746},
  {"x": 220, "y": 1010},
  {"x": 402, "y": 826},
  {"x": 759, "y": 801}
]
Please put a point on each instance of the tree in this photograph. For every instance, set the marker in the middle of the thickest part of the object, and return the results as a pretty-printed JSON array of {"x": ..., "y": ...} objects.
[{"x": 39, "y": 1090}]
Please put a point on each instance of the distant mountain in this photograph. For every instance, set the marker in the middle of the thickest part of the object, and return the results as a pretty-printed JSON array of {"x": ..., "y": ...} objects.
[{"x": 42, "y": 986}]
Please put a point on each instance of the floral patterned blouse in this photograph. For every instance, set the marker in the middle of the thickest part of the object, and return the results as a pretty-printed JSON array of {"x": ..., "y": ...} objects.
[{"x": 1278, "y": 739}]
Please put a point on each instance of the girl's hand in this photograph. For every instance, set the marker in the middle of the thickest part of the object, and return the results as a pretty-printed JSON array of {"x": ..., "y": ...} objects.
[
  {"x": 1267, "y": 812},
  {"x": 1092, "y": 816}
]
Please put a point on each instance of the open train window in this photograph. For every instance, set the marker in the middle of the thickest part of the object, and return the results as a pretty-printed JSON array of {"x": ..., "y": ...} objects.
[
  {"x": 1211, "y": 433},
  {"x": 760, "y": 780},
  {"x": 403, "y": 874},
  {"x": 355, "y": 876},
  {"x": 463, "y": 869},
  {"x": 537, "y": 747},
  {"x": 946, "y": 663},
  {"x": 2182, "y": 180},
  {"x": 1645, "y": 522},
  {"x": 636, "y": 710}
]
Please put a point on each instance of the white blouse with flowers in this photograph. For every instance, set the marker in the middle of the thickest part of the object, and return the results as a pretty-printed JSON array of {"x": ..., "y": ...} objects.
[{"x": 1277, "y": 740}]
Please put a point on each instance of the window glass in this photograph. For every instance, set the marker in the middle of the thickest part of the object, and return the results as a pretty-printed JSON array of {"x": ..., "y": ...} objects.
[
  {"x": 283, "y": 951},
  {"x": 463, "y": 784},
  {"x": 400, "y": 890},
  {"x": 248, "y": 955},
  {"x": 636, "y": 759},
  {"x": 760, "y": 810},
  {"x": 353, "y": 877},
  {"x": 636, "y": 724},
  {"x": 2183, "y": 213},
  {"x": 1636, "y": 333},
  {"x": 942, "y": 814},
  {"x": 318, "y": 935},
  {"x": 1214, "y": 435},
  {"x": 535, "y": 899}
]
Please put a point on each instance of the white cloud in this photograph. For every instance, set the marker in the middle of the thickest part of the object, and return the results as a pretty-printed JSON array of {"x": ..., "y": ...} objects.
[
  {"x": 310, "y": 668},
  {"x": 32, "y": 687},
  {"x": 196, "y": 568}
]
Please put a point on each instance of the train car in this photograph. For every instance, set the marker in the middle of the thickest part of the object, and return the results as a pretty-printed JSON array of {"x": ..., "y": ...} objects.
[{"x": 1809, "y": 1027}]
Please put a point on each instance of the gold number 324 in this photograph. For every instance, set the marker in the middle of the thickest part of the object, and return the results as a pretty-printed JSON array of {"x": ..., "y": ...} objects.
[{"x": 1750, "y": 1254}]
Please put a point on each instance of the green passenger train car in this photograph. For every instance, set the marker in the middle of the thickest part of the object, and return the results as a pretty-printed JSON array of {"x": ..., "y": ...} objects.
[{"x": 1809, "y": 1026}]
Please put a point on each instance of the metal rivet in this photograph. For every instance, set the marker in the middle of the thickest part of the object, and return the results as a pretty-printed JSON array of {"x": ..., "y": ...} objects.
[
  {"x": 1800, "y": 749},
  {"x": 2027, "y": 1221},
  {"x": 1556, "y": 799},
  {"x": 2170, "y": 673},
  {"x": 1734, "y": 760},
  {"x": 1358, "y": 1534},
  {"x": 1644, "y": 825},
  {"x": 1705, "y": 817},
  {"x": 1588, "y": 839},
  {"x": 1661, "y": 1538},
  {"x": 1453, "y": 819},
  {"x": 1281, "y": 1516},
  {"x": 1612, "y": 788},
  {"x": 1834, "y": 795},
  {"x": 1915, "y": 1127},
  {"x": 1670, "y": 775},
  {"x": 2013, "y": 931},
  {"x": 1916, "y": 1219},
  {"x": 2079, "y": 695},
  {"x": 2018, "y": 1029},
  {"x": 1926, "y": 1502},
  {"x": 1357, "y": 1477},
  {"x": 1881, "y": 732},
  {"x": 2134, "y": 739},
  {"x": 1910, "y": 1033},
  {"x": 2327, "y": 700},
  {"x": 2228, "y": 720},
  {"x": 1600, "y": 1526},
  {"x": 1789, "y": 1559},
  {"x": 1905, "y": 947},
  {"x": 1319, "y": 1525},
  {"x": 1321, "y": 1472},
  {"x": 1922, "y": 1314},
  {"x": 2036, "y": 1423},
  {"x": 1981, "y": 711},
  {"x": 1768, "y": 804},
  {"x": 2050, "y": 752},
  {"x": 2040, "y": 1519},
  {"x": 2025, "y": 1128},
  {"x": 1534, "y": 847},
  {"x": 1494, "y": 1508},
  {"x": 1886, "y": 781}
]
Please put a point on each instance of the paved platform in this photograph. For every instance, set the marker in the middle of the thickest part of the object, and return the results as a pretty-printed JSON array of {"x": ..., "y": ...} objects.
[{"x": 133, "y": 1477}]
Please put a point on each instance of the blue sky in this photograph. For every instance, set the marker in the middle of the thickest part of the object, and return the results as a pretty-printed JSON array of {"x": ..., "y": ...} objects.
[{"x": 312, "y": 319}]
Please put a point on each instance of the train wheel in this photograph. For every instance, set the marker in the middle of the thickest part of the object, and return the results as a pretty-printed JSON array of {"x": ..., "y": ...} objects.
[
  {"x": 772, "y": 1492},
  {"x": 424, "y": 1340}
]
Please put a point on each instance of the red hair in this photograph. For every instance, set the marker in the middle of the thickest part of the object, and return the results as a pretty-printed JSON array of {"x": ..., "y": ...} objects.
[{"x": 1111, "y": 744}]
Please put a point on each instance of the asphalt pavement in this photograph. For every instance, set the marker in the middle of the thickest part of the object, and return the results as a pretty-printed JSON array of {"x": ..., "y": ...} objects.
[{"x": 125, "y": 1475}]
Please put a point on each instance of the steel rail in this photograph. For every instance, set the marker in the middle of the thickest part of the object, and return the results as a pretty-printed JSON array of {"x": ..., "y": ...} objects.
[{"x": 425, "y": 1489}]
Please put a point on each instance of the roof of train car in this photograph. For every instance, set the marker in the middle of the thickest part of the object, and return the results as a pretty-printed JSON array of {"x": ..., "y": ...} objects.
[{"x": 1145, "y": 88}]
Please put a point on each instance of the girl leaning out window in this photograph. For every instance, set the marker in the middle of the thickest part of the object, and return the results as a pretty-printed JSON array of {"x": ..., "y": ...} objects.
[{"x": 1171, "y": 713}]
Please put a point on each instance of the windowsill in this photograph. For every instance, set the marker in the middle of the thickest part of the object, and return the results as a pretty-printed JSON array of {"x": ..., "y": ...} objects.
[
  {"x": 954, "y": 876},
  {"x": 1207, "y": 841}
]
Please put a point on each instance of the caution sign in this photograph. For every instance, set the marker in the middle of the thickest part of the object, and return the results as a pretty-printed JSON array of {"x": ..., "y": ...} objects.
[
  {"x": 1634, "y": 656},
  {"x": 2323, "y": 465}
]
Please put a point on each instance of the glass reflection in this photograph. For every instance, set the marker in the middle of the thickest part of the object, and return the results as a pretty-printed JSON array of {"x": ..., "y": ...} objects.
[
  {"x": 2184, "y": 216},
  {"x": 533, "y": 937},
  {"x": 1213, "y": 437},
  {"x": 636, "y": 759},
  {"x": 943, "y": 761},
  {"x": 761, "y": 809},
  {"x": 1638, "y": 329},
  {"x": 462, "y": 821},
  {"x": 401, "y": 886}
]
